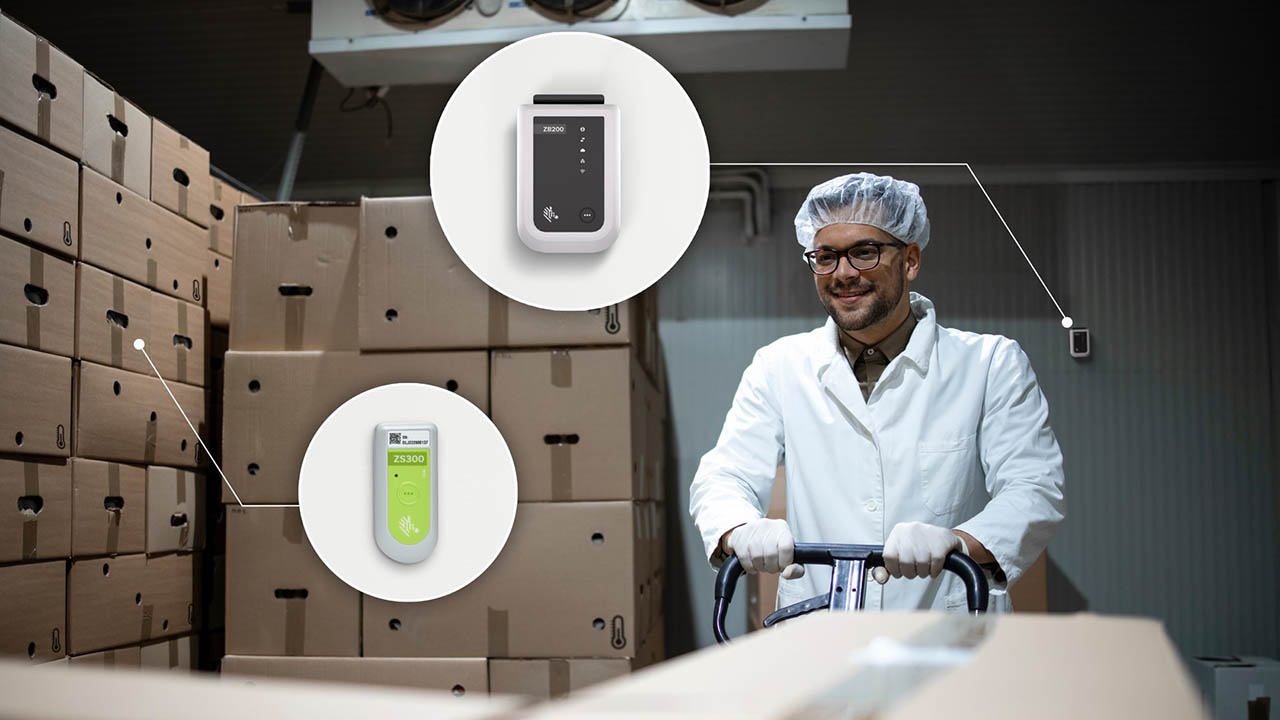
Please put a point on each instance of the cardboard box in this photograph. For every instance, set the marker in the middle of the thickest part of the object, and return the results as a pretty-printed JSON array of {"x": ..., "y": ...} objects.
[
  {"x": 33, "y": 610},
  {"x": 128, "y": 599},
  {"x": 222, "y": 217},
  {"x": 41, "y": 89},
  {"x": 552, "y": 678},
  {"x": 109, "y": 508},
  {"x": 38, "y": 309},
  {"x": 567, "y": 584},
  {"x": 130, "y": 236},
  {"x": 129, "y": 417},
  {"x": 214, "y": 392},
  {"x": 909, "y": 666},
  {"x": 177, "y": 342},
  {"x": 175, "y": 510},
  {"x": 117, "y": 136},
  {"x": 655, "y": 445},
  {"x": 281, "y": 599},
  {"x": 574, "y": 422},
  {"x": 460, "y": 676},
  {"x": 415, "y": 294},
  {"x": 125, "y": 658},
  {"x": 35, "y": 510},
  {"x": 296, "y": 391},
  {"x": 180, "y": 179},
  {"x": 1031, "y": 592},
  {"x": 1238, "y": 687},
  {"x": 86, "y": 693},
  {"x": 296, "y": 281},
  {"x": 111, "y": 313},
  {"x": 41, "y": 194},
  {"x": 35, "y": 402},
  {"x": 527, "y": 326},
  {"x": 217, "y": 284},
  {"x": 175, "y": 654}
]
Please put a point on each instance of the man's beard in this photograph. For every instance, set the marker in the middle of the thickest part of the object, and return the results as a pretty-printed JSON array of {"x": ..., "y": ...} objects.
[{"x": 877, "y": 304}]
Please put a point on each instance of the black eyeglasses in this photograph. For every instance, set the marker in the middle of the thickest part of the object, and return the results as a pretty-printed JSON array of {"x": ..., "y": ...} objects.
[{"x": 863, "y": 256}]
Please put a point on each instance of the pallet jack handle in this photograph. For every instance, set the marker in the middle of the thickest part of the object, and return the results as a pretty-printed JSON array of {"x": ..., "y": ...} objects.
[{"x": 850, "y": 564}]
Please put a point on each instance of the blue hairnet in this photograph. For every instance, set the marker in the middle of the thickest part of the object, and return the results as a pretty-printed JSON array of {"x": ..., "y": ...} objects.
[{"x": 894, "y": 206}]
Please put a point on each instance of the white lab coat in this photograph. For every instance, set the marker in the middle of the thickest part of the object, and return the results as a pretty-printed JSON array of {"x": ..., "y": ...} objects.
[{"x": 955, "y": 434}]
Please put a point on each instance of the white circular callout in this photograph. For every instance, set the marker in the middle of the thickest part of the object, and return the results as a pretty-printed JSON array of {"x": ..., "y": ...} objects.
[
  {"x": 476, "y": 492},
  {"x": 664, "y": 161}
]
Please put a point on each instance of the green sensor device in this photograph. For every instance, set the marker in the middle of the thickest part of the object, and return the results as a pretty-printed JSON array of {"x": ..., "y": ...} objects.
[{"x": 405, "y": 490}]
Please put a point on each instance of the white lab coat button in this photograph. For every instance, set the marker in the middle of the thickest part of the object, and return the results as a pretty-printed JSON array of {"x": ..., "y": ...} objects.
[{"x": 871, "y": 506}]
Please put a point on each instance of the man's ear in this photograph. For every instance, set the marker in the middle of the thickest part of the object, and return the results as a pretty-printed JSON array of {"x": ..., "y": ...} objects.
[{"x": 913, "y": 261}]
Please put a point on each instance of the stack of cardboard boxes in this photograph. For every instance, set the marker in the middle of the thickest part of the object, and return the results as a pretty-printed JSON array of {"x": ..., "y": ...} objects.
[
  {"x": 106, "y": 217},
  {"x": 330, "y": 300}
]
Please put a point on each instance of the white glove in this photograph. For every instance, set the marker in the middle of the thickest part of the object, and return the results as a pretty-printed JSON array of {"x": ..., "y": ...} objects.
[
  {"x": 765, "y": 545},
  {"x": 916, "y": 550}
]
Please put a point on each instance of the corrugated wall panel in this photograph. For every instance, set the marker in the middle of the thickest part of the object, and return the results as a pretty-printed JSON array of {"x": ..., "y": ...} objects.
[{"x": 1166, "y": 429}]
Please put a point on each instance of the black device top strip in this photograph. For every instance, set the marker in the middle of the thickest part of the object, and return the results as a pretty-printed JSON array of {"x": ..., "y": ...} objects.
[{"x": 568, "y": 99}]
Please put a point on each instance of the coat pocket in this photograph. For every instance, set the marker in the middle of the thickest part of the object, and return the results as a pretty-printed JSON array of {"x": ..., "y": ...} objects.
[{"x": 946, "y": 472}]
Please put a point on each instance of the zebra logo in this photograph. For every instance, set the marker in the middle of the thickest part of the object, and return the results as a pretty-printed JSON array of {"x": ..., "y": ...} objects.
[
  {"x": 407, "y": 527},
  {"x": 549, "y": 213}
]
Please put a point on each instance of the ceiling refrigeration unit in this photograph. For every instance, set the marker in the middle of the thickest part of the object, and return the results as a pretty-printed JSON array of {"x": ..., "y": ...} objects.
[{"x": 406, "y": 42}]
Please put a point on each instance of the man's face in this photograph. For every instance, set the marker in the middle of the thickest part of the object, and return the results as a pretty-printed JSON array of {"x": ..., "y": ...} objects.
[{"x": 859, "y": 299}]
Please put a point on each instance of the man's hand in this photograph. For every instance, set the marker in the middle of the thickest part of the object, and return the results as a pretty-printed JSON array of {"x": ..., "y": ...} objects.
[
  {"x": 764, "y": 545},
  {"x": 916, "y": 550}
]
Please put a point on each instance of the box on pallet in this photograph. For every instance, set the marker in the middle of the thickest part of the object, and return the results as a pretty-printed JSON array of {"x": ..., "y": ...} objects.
[
  {"x": 176, "y": 654},
  {"x": 268, "y": 391},
  {"x": 130, "y": 236},
  {"x": 41, "y": 194},
  {"x": 35, "y": 509},
  {"x": 54, "y": 112},
  {"x": 414, "y": 291},
  {"x": 111, "y": 313},
  {"x": 130, "y": 598},
  {"x": 125, "y": 658},
  {"x": 1050, "y": 665},
  {"x": 175, "y": 510},
  {"x": 109, "y": 508},
  {"x": 38, "y": 309},
  {"x": 281, "y": 599},
  {"x": 177, "y": 342},
  {"x": 180, "y": 179},
  {"x": 554, "y": 677},
  {"x": 35, "y": 394},
  {"x": 571, "y": 582},
  {"x": 575, "y": 422},
  {"x": 117, "y": 136},
  {"x": 460, "y": 676},
  {"x": 296, "y": 277},
  {"x": 33, "y": 610},
  {"x": 129, "y": 417},
  {"x": 217, "y": 289},
  {"x": 222, "y": 217}
]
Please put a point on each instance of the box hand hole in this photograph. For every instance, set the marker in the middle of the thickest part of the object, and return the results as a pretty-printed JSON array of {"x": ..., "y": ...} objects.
[{"x": 36, "y": 295}]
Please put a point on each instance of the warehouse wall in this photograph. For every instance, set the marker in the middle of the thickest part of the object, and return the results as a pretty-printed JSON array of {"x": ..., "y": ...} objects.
[{"x": 1166, "y": 430}]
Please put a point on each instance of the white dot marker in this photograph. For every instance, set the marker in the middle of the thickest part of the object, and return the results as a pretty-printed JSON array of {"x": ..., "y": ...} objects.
[
  {"x": 139, "y": 344},
  {"x": 1067, "y": 322}
]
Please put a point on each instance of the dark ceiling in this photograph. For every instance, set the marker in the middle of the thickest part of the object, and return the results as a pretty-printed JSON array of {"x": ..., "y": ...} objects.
[{"x": 1001, "y": 83}]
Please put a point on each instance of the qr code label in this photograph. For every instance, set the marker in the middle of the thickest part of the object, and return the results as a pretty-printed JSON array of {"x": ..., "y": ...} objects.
[{"x": 395, "y": 437}]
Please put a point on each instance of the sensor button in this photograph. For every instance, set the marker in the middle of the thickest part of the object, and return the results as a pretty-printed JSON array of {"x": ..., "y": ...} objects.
[
  {"x": 586, "y": 215},
  {"x": 407, "y": 493}
]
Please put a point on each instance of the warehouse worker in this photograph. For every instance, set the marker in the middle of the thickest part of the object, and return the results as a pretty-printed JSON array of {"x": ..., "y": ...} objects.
[{"x": 894, "y": 430}]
